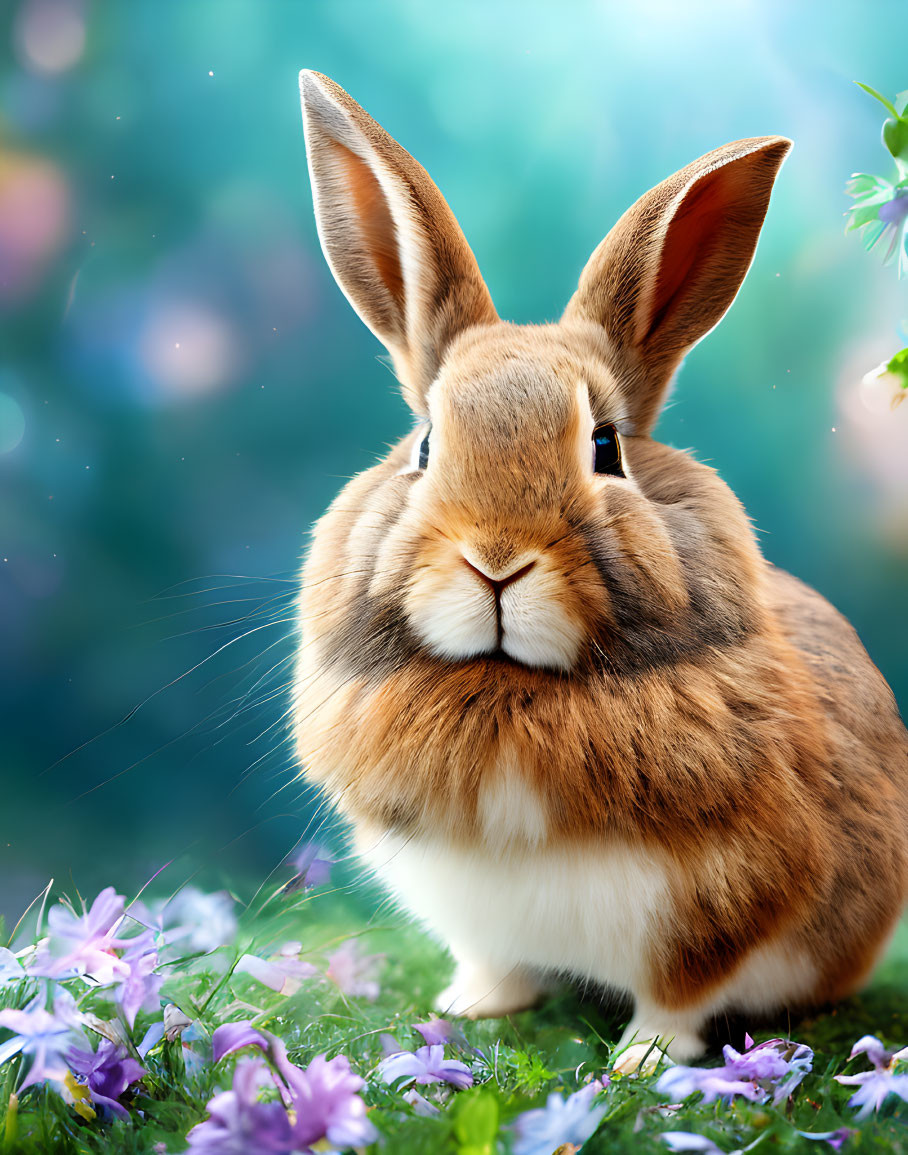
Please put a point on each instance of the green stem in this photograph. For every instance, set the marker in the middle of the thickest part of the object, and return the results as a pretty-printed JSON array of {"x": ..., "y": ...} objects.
[
  {"x": 219, "y": 987},
  {"x": 876, "y": 95},
  {"x": 11, "y": 1129}
]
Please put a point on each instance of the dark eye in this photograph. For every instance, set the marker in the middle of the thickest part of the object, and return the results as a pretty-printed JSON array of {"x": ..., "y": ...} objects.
[
  {"x": 420, "y": 456},
  {"x": 607, "y": 451}
]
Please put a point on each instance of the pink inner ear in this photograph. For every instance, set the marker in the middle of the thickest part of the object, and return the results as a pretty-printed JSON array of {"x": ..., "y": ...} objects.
[
  {"x": 376, "y": 224},
  {"x": 697, "y": 229}
]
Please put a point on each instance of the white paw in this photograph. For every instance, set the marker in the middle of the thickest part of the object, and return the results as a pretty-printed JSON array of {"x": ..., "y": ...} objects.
[
  {"x": 677, "y": 1040},
  {"x": 480, "y": 994}
]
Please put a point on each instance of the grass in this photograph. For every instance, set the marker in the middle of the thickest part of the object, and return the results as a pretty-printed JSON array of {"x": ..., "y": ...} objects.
[{"x": 516, "y": 1061}]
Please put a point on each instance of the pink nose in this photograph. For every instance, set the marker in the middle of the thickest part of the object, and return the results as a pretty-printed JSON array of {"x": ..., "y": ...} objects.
[{"x": 497, "y": 584}]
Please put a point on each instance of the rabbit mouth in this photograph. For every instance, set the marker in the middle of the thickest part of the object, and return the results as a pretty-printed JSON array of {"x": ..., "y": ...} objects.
[{"x": 518, "y": 616}]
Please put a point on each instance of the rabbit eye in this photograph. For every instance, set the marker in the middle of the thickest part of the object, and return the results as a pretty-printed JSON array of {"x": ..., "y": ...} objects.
[
  {"x": 419, "y": 458},
  {"x": 607, "y": 451}
]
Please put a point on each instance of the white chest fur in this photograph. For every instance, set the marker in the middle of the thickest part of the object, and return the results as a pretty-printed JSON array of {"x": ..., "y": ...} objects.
[{"x": 587, "y": 910}]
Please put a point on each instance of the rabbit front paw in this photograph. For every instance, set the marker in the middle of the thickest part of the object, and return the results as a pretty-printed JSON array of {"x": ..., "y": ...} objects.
[
  {"x": 655, "y": 1033},
  {"x": 486, "y": 992}
]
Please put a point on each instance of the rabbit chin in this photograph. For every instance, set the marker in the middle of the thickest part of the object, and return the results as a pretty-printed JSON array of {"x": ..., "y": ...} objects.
[{"x": 455, "y": 617}]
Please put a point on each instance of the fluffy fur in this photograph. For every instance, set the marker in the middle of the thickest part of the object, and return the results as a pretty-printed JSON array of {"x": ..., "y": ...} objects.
[{"x": 578, "y": 723}]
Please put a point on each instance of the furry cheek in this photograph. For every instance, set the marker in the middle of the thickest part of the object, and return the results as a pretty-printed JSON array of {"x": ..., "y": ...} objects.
[
  {"x": 537, "y": 628},
  {"x": 454, "y": 616}
]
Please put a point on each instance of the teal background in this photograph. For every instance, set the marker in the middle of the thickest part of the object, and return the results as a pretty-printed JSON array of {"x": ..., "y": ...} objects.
[{"x": 153, "y": 192}]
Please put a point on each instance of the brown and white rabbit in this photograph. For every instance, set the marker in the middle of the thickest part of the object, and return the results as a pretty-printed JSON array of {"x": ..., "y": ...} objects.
[{"x": 578, "y": 723}]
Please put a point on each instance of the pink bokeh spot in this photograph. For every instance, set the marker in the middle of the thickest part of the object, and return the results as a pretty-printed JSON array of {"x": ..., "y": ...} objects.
[{"x": 34, "y": 208}]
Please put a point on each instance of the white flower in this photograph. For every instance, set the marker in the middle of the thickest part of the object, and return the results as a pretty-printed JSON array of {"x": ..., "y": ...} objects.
[{"x": 206, "y": 920}]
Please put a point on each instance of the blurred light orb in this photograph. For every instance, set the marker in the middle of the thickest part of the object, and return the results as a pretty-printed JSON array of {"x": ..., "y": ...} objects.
[
  {"x": 875, "y": 431},
  {"x": 33, "y": 216},
  {"x": 12, "y": 423},
  {"x": 881, "y": 389},
  {"x": 50, "y": 34},
  {"x": 188, "y": 349}
]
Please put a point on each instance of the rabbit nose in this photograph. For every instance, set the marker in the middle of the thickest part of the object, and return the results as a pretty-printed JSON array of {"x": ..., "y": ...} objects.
[{"x": 496, "y": 580}]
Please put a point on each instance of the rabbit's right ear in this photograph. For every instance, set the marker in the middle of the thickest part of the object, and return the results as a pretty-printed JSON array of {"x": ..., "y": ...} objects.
[
  {"x": 669, "y": 269},
  {"x": 389, "y": 236}
]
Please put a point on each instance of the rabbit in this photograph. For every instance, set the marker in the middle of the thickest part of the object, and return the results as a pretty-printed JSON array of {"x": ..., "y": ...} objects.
[{"x": 579, "y": 726}]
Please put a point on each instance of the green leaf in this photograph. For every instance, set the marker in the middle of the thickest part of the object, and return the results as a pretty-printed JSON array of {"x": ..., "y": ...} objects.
[
  {"x": 476, "y": 1123},
  {"x": 862, "y": 215},
  {"x": 899, "y": 366},
  {"x": 876, "y": 96},
  {"x": 901, "y": 102},
  {"x": 895, "y": 136}
]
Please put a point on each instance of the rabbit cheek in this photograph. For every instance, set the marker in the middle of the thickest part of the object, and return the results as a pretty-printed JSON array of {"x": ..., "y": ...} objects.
[
  {"x": 538, "y": 629},
  {"x": 453, "y": 615}
]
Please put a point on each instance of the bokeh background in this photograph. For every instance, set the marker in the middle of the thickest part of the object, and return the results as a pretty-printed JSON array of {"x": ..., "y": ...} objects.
[{"x": 183, "y": 388}]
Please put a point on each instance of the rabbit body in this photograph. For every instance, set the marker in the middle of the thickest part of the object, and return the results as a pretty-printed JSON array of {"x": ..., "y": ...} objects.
[{"x": 578, "y": 724}]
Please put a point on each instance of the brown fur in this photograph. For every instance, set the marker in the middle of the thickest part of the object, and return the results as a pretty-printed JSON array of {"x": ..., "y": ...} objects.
[{"x": 717, "y": 709}]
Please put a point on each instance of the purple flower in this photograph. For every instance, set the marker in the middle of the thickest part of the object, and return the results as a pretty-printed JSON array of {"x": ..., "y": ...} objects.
[
  {"x": 327, "y": 1104},
  {"x": 427, "y": 1065},
  {"x": 875, "y": 1086},
  {"x": 442, "y": 1031},
  {"x": 436, "y": 1031},
  {"x": 881, "y": 210},
  {"x": 238, "y": 1123},
  {"x": 108, "y": 1072},
  {"x": 42, "y": 1035},
  {"x": 312, "y": 864},
  {"x": 324, "y": 1097},
  {"x": 84, "y": 944},
  {"x": 775, "y": 1067},
  {"x": 687, "y": 1141},
  {"x": 284, "y": 972},
  {"x": 354, "y": 973},
  {"x": 140, "y": 988},
  {"x": 778, "y": 1065},
  {"x": 679, "y": 1082},
  {"x": 572, "y": 1120}
]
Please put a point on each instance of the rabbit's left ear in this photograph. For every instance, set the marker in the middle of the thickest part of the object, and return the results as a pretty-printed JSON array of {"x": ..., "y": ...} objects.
[
  {"x": 669, "y": 269},
  {"x": 390, "y": 238}
]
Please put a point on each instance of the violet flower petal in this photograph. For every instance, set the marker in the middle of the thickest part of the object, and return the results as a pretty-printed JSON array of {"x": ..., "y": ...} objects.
[
  {"x": 41, "y": 1034},
  {"x": 572, "y": 1120},
  {"x": 108, "y": 1072},
  {"x": 426, "y": 1065},
  {"x": 281, "y": 973},
  {"x": 150, "y": 1039},
  {"x": 239, "y": 1124},
  {"x": 874, "y": 1087},
  {"x": 871, "y": 1046},
  {"x": 312, "y": 864},
  {"x": 679, "y": 1082},
  {"x": 435, "y": 1031},
  {"x": 835, "y": 1139},
  {"x": 403, "y": 1065},
  {"x": 327, "y": 1104},
  {"x": 232, "y": 1037}
]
